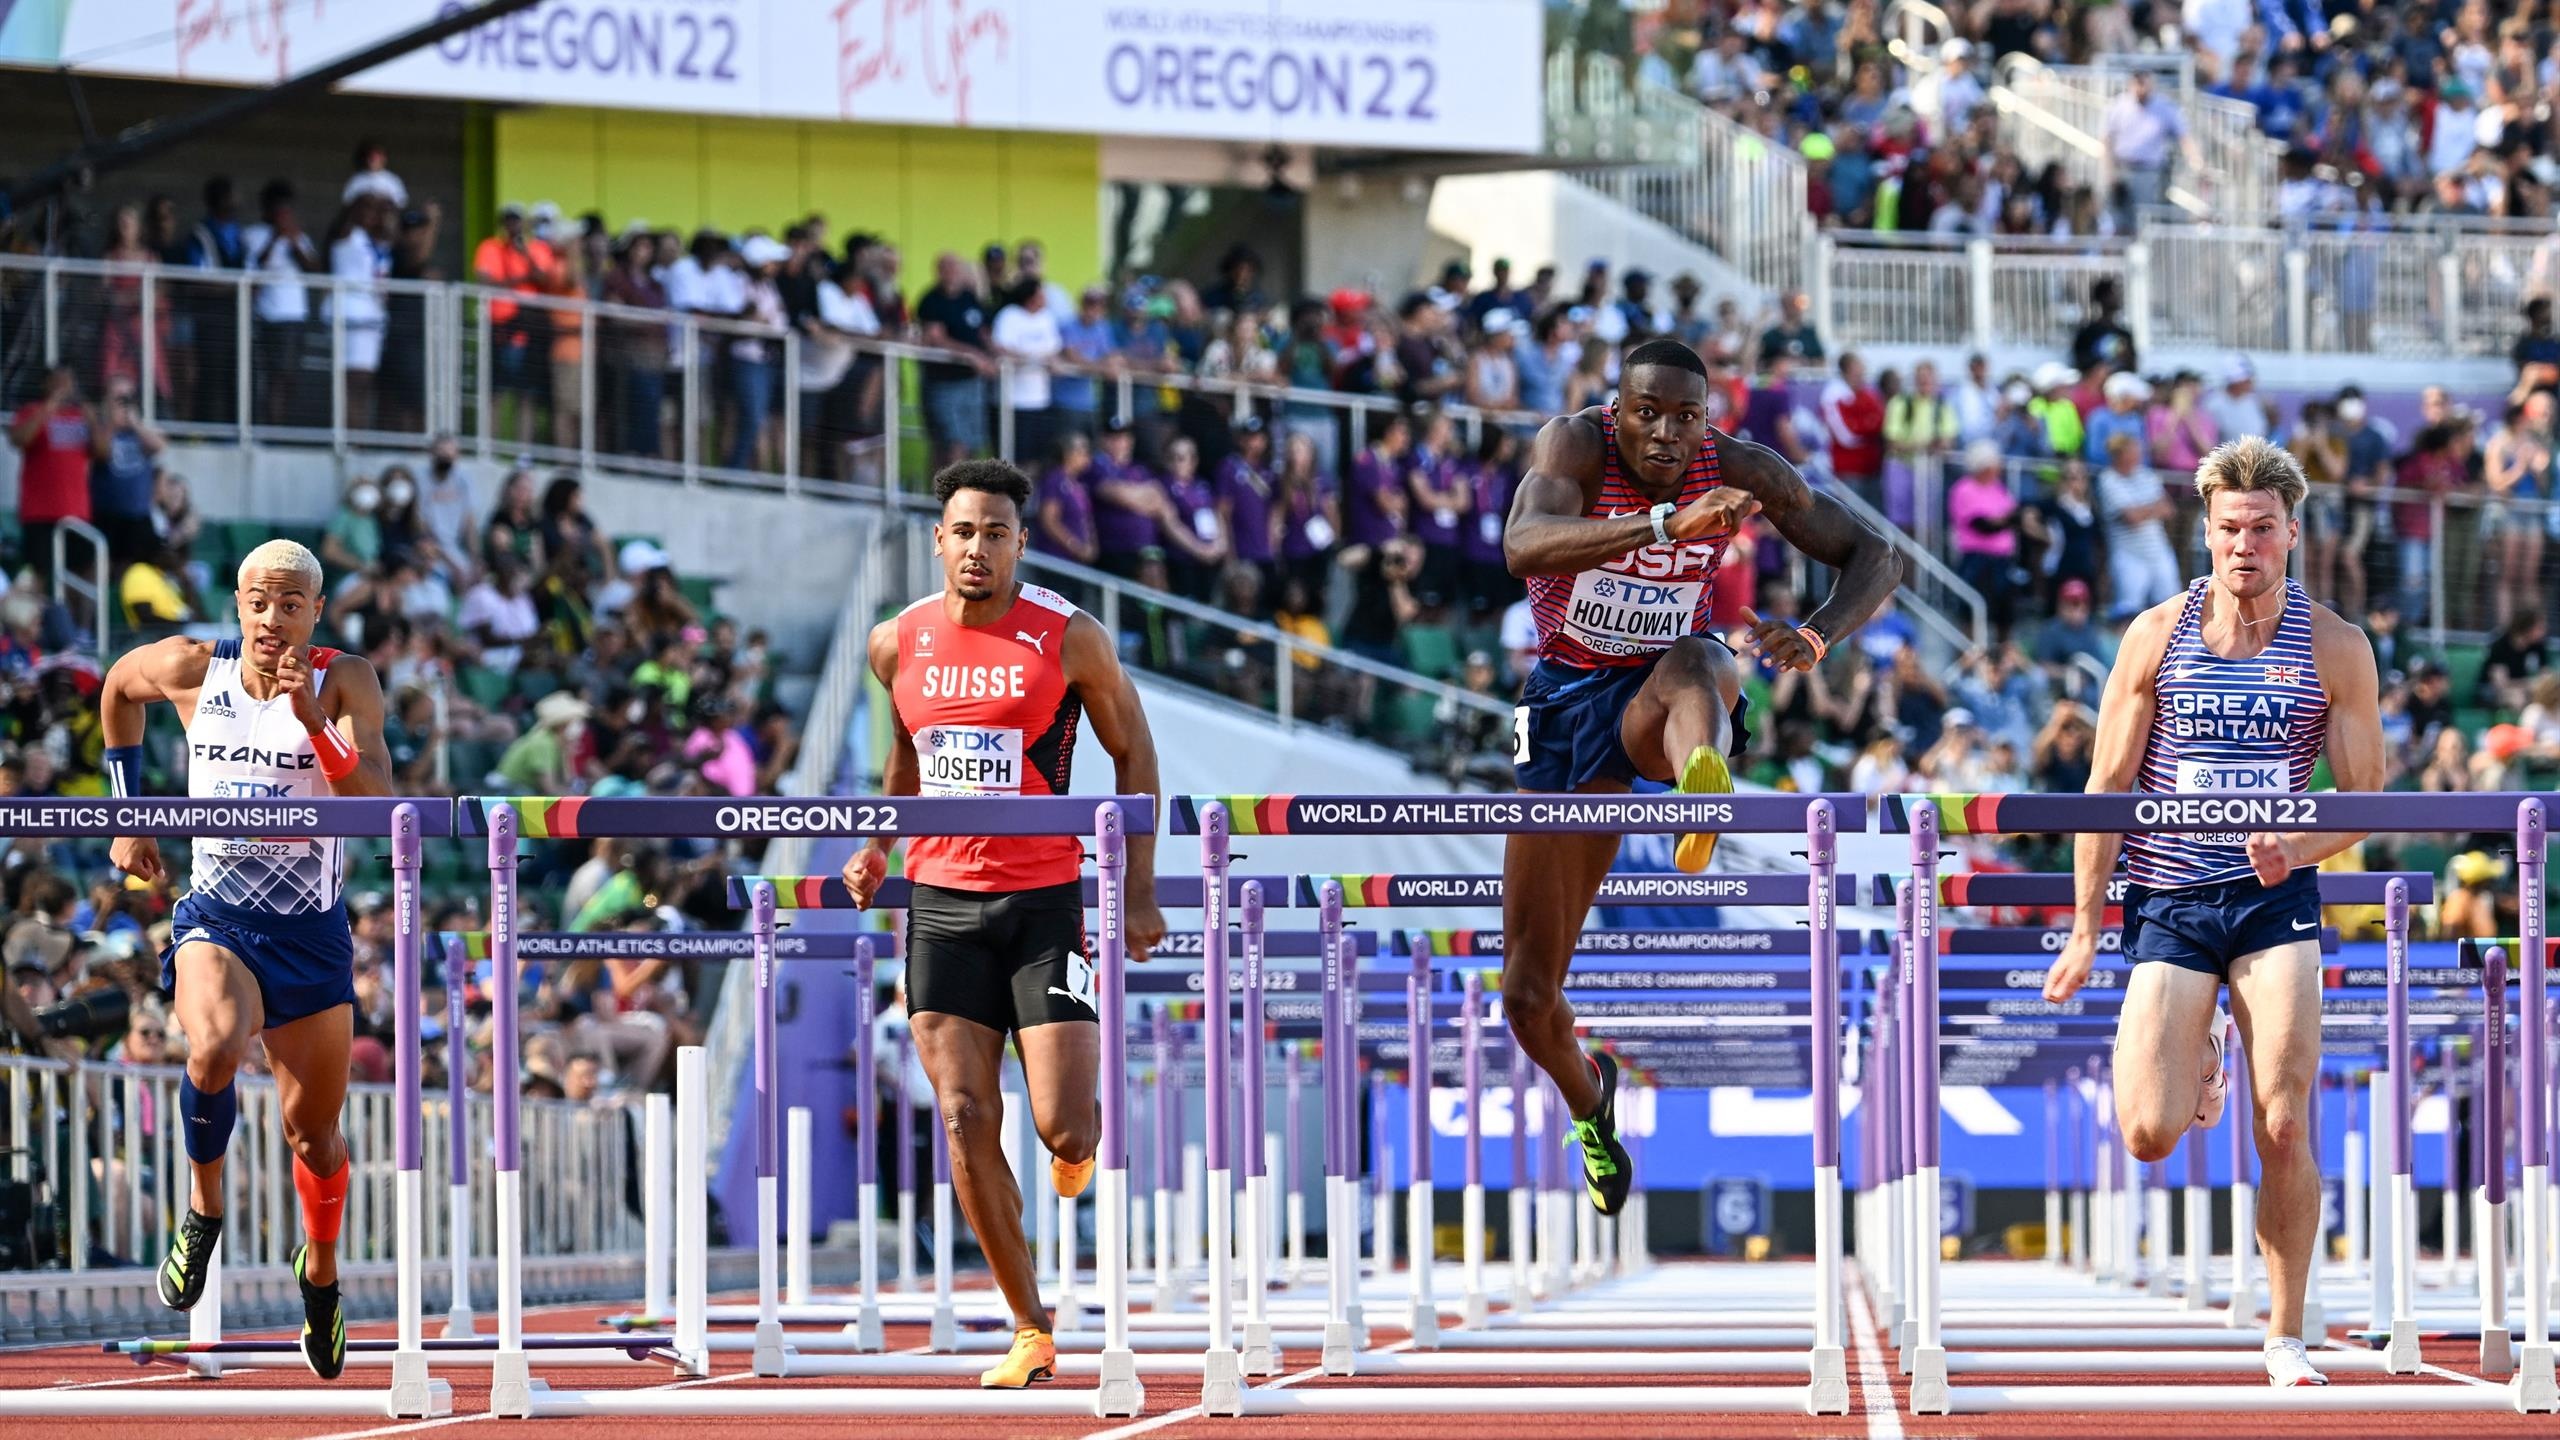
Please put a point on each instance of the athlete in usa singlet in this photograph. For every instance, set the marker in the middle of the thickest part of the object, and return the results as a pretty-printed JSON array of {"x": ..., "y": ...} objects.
[
  {"x": 1633, "y": 608},
  {"x": 2255, "y": 725}
]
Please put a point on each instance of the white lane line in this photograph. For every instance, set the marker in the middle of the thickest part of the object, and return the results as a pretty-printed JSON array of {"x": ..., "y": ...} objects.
[
  {"x": 128, "y": 1380},
  {"x": 438, "y": 1424},
  {"x": 1192, "y": 1412},
  {"x": 1875, "y": 1390}
]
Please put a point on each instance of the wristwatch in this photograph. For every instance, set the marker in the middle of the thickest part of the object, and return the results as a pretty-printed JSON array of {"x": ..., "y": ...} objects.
[{"x": 1662, "y": 514}]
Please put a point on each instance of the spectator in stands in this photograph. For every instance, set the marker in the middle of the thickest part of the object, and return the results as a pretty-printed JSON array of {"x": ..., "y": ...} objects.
[
  {"x": 447, "y": 511},
  {"x": 1984, "y": 518},
  {"x": 636, "y": 349},
  {"x": 2537, "y": 351},
  {"x": 122, "y": 473},
  {"x": 1377, "y": 508},
  {"x": 1246, "y": 490},
  {"x": 1310, "y": 513},
  {"x": 1544, "y": 364},
  {"x": 2015, "y": 426},
  {"x": 2516, "y": 467},
  {"x": 2140, "y": 562},
  {"x": 568, "y": 529},
  {"x": 524, "y": 263},
  {"x": 2103, "y": 338},
  {"x": 278, "y": 249},
  {"x": 754, "y": 362},
  {"x": 498, "y": 618},
  {"x": 515, "y": 523},
  {"x": 151, "y": 592},
  {"x": 1437, "y": 500},
  {"x": 1027, "y": 333},
  {"x": 371, "y": 174},
  {"x": 1853, "y": 417},
  {"x": 2236, "y": 410},
  {"x": 353, "y": 539},
  {"x": 176, "y": 524},
  {"x": 1129, "y": 503},
  {"x": 2435, "y": 465},
  {"x": 57, "y": 439},
  {"x": 1195, "y": 539},
  {"x": 1089, "y": 347},
  {"x": 359, "y": 259},
  {"x": 1920, "y": 429},
  {"x": 1066, "y": 514},
  {"x": 2181, "y": 433},
  {"x": 1430, "y": 373},
  {"x": 2122, "y": 418},
  {"x": 2456, "y": 128},
  {"x": 2071, "y": 633},
  {"x": 1976, "y": 400},
  {"x": 1492, "y": 477},
  {"x": 208, "y": 312},
  {"x": 954, "y": 316},
  {"x": 2064, "y": 431},
  {"x": 1493, "y": 377},
  {"x": 2516, "y": 658},
  {"x": 1793, "y": 336}
]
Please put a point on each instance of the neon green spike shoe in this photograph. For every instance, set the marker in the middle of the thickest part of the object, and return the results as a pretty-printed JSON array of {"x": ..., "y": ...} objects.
[
  {"x": 1607, "y": 1173},
  {"x": 324, "y": 1322}
]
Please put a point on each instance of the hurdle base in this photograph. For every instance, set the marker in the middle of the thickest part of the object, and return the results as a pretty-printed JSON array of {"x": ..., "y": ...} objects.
[
  {"x": 415, "y": 1395},
  {"x": 866, "y": 1328},
  {"x": 770, "y": 1356},
  {"x": 1423, "y": 1324},
  {"x": 1338, "y": 1347},
  {"x": 2400, "y": 1353},
  {"x": 1221, "y": 1383},
  {"x": 1475, "y": 1311},
  {"x": 1828, "y": 1394},
  {"x": 1260, "y": 1357},
  {"x": 1119, "y": 1395},
  {"x": 2315, "y": 1316},
  {"x": 458, "y": 1324},
  {"x": 1359, "y": 1323},
  {"x": 512, "y": 1387},
  {"x": 942, "y": 1336},
  {"x": 1907, "y": 1340},
  {"x": 2497, "y": 1352},
  {"x": 1929, "y": 1393},
  {"x": 2536, "y": 1389}
]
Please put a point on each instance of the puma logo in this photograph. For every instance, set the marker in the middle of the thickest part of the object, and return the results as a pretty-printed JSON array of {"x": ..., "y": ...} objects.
[
  {"x": 1070, "y": 994},
  {"x": 1034, "y": 641}
]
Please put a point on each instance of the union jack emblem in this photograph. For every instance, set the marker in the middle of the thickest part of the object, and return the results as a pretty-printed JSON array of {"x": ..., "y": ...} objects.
[{"x": 2284, "y": 674}]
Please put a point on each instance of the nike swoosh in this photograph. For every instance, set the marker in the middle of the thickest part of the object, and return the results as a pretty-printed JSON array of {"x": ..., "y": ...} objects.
[{"x": 2298, "y": 925}]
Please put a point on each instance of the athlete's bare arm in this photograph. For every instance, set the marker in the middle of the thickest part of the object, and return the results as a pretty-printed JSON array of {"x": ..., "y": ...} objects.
[
  {"x": 350, "y": 699},
  {"x": 1119, "y": 722},
  {"x": 171, "y": 670},
  {"x": 2356, "y": 761},
  {"x": 2115, "y": 763},
  {"x": 899, "y": 776},
  {"x": 1548, "y": 532},
  {"x": 1822, "y": 529}
]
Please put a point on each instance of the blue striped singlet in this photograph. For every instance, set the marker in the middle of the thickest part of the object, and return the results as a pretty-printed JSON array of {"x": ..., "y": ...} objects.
[{"x": 2227, "y": 725}]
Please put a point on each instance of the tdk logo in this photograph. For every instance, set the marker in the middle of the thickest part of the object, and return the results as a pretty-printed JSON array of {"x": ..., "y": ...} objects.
[{"x": 218, "y": 704}]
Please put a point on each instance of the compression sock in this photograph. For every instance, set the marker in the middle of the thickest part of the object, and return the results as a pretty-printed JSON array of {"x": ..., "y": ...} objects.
[
  {"x": 209, "y": 1117},
  {"x": 324, "y": 1200}
]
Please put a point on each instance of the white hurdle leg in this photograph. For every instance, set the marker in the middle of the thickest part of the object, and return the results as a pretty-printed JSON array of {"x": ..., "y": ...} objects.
[
  {"x": 866, "y": 1325},
  {"x": 458, "y": 1322},
  {"x": 1517, "y": 1242},
  {"x": 942, "y": 1336},
  {"x": 2497, "y": 1346},
  {"x": 2243, "y": 1310},
  {"x": 1471, "y": 1223},
  {"x": 2358, "y": 1171},
  {"x": 693, "y": 1225},
  {"x": 1189, "y": 1250},
  {"x": 2380, "y": 1196},
  {"x": 795, "y": 1234},
  {"x": 658, "y": 1181},
  {"x": 1069, "y": 1314},
  {"x": 2537, "y": 1390}
]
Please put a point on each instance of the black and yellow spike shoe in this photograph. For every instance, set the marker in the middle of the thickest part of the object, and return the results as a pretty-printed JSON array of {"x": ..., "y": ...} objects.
[
  {"x": 1607, "y": 1173},
  {"x": 190, "y": 1260},
  {"x": 324, "y": 1322}
]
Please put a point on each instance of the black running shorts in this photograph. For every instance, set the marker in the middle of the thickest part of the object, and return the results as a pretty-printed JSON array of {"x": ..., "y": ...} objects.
[{"x": 1007, "y": 959}]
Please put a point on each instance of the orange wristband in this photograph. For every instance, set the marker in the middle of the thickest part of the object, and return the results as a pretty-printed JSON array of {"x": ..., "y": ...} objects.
[
  {"x": 337, "y": 757},
  {"x": 1813, "y": 637}
]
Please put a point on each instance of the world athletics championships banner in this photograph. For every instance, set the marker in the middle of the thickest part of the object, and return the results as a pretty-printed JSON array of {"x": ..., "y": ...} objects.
[{"x": 1457, "y": 75}]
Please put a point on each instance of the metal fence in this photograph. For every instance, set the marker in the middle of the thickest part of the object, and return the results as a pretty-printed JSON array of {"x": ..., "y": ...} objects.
[
  {"x": 2404, "y": 292},
  {"x": 2064, "y": 119},
  {"x": 93, "y": 1153}
]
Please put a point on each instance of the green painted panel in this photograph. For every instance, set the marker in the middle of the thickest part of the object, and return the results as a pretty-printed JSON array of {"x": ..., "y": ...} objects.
[
  {"x": 550, "y": 155},
  {"x": 954, "y": 198},
  {"x": 750, "y": 173},
  {"x": 1053, "y": 192},
  {"x": 653, "y": 171},
  {"x": 855, "y": 175}
]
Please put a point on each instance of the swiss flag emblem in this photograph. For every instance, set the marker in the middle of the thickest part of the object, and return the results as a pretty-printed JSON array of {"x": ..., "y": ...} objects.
[{"x": 924, "y": 640}]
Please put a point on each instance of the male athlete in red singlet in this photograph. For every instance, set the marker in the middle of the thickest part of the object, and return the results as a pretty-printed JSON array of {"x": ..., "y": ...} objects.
[
  {"x": 989, "y": 680},
  {"x": 1618, "y": 530}
]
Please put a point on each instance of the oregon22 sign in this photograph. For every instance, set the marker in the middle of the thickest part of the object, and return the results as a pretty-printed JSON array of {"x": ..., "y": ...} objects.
[{"x": 1394, "y": 74}]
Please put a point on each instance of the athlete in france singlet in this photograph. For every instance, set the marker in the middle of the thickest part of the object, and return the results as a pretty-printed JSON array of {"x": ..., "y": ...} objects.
[
  {"x": 240, "y": 748},
  {"x": 2253, "y": 725},
  {"x": 1633, "y": 608},
  {"x": 992, "y": 714}
]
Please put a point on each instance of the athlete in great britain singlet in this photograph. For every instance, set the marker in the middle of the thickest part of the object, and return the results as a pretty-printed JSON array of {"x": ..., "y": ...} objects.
[
  {"x": 2233, "y": 689},
  {"x": 259, "y": 945},
  {"x": 990, "y": 679},
  {"x": 1617, "y": 528}
]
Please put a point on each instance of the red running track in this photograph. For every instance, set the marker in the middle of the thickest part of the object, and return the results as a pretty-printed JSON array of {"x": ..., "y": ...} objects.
[{"x": 1170, "y": 1398}]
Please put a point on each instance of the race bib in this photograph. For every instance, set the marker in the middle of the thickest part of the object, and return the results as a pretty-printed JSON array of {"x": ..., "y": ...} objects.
[
  {"x": 1204, "y": 523},
  {"x": 969, "y": 760},
  {"x": 1489, "y": 528},
  {"x": 2256, "y": 777},
  {"x": 1319, "y": 532},
  {"x": 1614, "y": 615},
  {"x": 1445, "y": 518}
]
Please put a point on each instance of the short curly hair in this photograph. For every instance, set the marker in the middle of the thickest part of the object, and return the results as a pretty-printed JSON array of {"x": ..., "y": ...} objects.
[{"x": 995, "y": 477}]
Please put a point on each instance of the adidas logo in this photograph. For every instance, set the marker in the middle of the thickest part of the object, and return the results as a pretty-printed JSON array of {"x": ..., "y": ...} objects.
[{"x": 219, "y": 703}]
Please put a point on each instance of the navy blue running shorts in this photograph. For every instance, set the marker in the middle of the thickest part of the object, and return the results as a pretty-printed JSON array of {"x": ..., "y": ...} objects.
[
  {"x": 2206, "y": 927},
  {"x": 1568, "y": 721},
  {"x": 303, "y": 963}
]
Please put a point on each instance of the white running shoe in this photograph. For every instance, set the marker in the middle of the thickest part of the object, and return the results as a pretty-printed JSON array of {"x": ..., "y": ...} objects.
[
  {"x": 2288, "y": 1364},
  {"x": 2217, "y": 1085}
]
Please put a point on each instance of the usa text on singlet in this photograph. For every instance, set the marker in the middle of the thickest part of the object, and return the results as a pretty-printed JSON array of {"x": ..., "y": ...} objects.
[
  {"x": 992, "y": 714},
  {"x": 2254, "y": 725},
  {"x": 1628, "y": 610},
  {"x": 239, "y": 748}
]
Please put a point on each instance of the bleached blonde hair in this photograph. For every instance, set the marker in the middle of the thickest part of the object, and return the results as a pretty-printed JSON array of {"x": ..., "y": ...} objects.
[
  {"x": 282, "y": 557},
  {"x": 2249, "y": 464}
]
